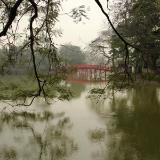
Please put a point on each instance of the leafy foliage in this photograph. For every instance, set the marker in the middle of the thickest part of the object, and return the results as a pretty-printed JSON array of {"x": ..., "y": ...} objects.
[
  {"x": 139, "y": 24},
  {"x": 72, "y": 54}
]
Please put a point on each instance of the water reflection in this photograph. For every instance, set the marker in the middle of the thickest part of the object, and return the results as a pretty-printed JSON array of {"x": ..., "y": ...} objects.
[
  {"x": 77, "y": 89},
  {"x": 116, "y": 126},
  {"x": 41, "y": 136},
  {"x": 132, "y": 121}
]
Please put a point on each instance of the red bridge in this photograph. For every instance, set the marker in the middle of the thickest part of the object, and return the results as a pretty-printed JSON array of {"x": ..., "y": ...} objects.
[
  {"x": 92, "y": 66},
  {"x": 90, "y": 72}
]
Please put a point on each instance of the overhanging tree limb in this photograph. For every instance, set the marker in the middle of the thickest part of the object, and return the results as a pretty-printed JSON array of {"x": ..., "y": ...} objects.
[
  {"x": 114, "y": 29},
  {"x": 3, "y": 1},
  {"x": 34, "y": 5},
  {"x": 111, "y": 24},
  {"x": 11, "y": 17},
  {"x": 120, "y": 37}
]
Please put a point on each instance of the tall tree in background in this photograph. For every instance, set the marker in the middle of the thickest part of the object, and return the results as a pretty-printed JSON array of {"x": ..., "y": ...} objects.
[
  {"x": 140, "y": 26},
  {"x": 72, "y": 54},
  {"x": 99, "y": 48}
]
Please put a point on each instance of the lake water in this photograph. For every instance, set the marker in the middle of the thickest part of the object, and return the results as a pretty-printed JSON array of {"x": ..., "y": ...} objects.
[{"x": 120, "y": 125}]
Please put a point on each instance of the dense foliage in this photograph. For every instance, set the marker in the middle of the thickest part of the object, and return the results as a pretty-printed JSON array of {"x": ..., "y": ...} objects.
[
  {"x": 139, "y": 24},
  {"x": 72, "y": 54}
]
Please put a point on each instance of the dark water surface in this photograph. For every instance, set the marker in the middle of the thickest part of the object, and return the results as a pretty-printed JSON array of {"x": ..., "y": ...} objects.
[{"x": 116, "y": 126}]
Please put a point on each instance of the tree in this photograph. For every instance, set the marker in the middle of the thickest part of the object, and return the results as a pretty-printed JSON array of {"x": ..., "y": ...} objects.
[
  {"x": 99, "y": 48},
  {"x": 72, "y": 54},
  {"x": 140, "y": 27},
  {"x": 39, "y": 31}
]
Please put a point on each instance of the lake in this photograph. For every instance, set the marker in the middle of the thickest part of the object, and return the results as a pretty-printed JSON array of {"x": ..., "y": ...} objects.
[{"x": 120, "y": 125}]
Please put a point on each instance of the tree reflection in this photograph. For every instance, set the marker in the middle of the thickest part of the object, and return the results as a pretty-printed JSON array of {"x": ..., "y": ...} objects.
[
  {"x": 33, "y": 136},
  {"x": 77, "y": 89},
  {"x": 132, "y": 122}
]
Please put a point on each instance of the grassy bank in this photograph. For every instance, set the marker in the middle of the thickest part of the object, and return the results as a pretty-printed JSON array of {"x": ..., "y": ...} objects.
[
  {"x": 19, "y": 87},
  {"x": 12, "y": 87}
]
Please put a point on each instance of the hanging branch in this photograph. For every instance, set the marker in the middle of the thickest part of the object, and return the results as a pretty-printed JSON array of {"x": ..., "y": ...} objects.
[
  {"x": 11, "y": 17},
  {"x": 126, "y": 44},
  {"x": 111, "y": 24},
  {"x": 5, "y": 4},
  {"x": 32, "y": 38}
]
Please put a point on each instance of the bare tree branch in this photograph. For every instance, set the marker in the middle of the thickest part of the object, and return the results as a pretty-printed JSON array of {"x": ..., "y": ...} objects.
[
  {"x": 32, "y": 38},
  {"x": 11, "y": 17},
  {"x": 121, "y": 38},
  {"x": 5, "y": 4}
]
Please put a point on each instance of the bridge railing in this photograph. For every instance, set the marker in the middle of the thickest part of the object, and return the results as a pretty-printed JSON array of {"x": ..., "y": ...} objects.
[{"x": 91, "y": 66}]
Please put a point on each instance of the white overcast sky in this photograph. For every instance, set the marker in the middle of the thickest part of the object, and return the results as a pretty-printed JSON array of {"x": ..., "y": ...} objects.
[
  {"x": 84, "y": 32},
  {"x": 80, "y": 34}
]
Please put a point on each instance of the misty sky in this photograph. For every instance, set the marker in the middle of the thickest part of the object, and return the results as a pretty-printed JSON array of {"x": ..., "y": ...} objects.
[
  {"x": 84, "y": 32},
  {"x": 79, "y": 34}
]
